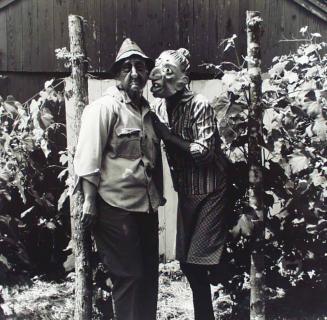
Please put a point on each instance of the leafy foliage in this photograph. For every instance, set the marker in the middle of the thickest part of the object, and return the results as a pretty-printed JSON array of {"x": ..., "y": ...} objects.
[
  {"x": 32, "y": 144},
  {"x": 295, "y": 160}
]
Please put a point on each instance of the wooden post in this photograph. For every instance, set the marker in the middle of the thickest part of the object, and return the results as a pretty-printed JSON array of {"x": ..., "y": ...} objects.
[
  {"x": 78, "y": 95},
  {"x": 257, "y": 273}
]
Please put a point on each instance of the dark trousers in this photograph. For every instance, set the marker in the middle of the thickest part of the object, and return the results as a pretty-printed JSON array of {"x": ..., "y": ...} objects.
[
  {"x": 197, "y": 276},
  {"x": 128, "y": 245}
]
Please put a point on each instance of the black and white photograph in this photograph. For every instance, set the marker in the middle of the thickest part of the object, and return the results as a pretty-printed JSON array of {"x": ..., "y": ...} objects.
[{"x": 163, "y": 159}]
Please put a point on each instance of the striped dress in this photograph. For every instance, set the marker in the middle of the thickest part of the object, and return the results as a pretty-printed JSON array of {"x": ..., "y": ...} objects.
[{"x": 199, "y": 180}]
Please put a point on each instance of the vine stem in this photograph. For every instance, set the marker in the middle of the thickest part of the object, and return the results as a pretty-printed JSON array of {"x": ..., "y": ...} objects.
[
  {"x": 295, "y": 40},
  {"x": 37, "y": 94}
]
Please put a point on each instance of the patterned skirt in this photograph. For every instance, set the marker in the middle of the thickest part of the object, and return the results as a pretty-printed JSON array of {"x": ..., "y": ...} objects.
[{"x": 202, "y": 227}]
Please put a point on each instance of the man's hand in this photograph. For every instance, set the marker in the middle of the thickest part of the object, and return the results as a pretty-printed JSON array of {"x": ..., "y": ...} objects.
[
  {"x": 89, "y": 212},
  {"x": 89, "y": 207},
  {"x": 160, "y": 128}
]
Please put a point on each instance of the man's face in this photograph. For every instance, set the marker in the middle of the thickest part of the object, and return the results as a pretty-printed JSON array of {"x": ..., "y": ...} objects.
[
  {"x": 167, "y": 77},
  {"x": 133, "y": 75}
]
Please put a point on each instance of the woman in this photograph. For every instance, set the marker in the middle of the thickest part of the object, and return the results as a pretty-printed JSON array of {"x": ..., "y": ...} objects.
[{"x": 186, "y": 123}]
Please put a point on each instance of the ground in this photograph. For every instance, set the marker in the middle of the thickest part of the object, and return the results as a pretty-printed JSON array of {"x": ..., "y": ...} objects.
[{"x": 44, "y": 300}]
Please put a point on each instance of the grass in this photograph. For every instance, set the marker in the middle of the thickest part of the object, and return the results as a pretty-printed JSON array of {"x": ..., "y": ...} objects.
[{"x": 44, "y": 300}]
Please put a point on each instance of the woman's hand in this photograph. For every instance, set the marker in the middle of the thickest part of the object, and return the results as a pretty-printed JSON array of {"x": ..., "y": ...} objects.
[{"x": 160, "y": 128}]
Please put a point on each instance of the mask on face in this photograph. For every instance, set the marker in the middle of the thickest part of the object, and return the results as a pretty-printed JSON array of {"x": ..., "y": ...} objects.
[{"x": 170, "y": 73}]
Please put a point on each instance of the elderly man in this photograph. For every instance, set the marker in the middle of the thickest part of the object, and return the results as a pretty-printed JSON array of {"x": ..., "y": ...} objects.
[
  {"x": 118, "y": 162},
  {"x": 198, "y": 172}
]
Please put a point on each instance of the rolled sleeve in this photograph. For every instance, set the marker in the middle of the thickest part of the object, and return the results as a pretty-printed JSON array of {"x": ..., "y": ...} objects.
[
  {"x": 95, "y": 130},
  {"x": 204, "y": 126}
]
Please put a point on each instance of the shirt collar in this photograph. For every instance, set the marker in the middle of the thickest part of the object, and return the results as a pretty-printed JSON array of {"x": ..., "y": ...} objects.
[{"x": 180, "y": 97}]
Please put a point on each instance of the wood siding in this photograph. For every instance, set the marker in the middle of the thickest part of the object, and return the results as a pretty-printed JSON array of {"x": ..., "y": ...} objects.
[{"x": 30, "y": 30}]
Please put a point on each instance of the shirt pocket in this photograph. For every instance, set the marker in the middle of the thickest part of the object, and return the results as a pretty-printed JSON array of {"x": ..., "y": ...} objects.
[{"x": 128, "y": 143}]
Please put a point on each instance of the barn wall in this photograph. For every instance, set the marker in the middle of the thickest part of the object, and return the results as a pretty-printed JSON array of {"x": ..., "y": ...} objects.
[
  {"x": 30, "y": 30},
  {"x": 3, "y": 40},
  {"x": 282, "y": 19}
]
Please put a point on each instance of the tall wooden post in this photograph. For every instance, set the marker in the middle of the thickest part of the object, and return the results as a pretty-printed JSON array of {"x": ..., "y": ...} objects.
[
  {"x": 78, "y": 96},
  {"x": 257, "y": 273}
]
